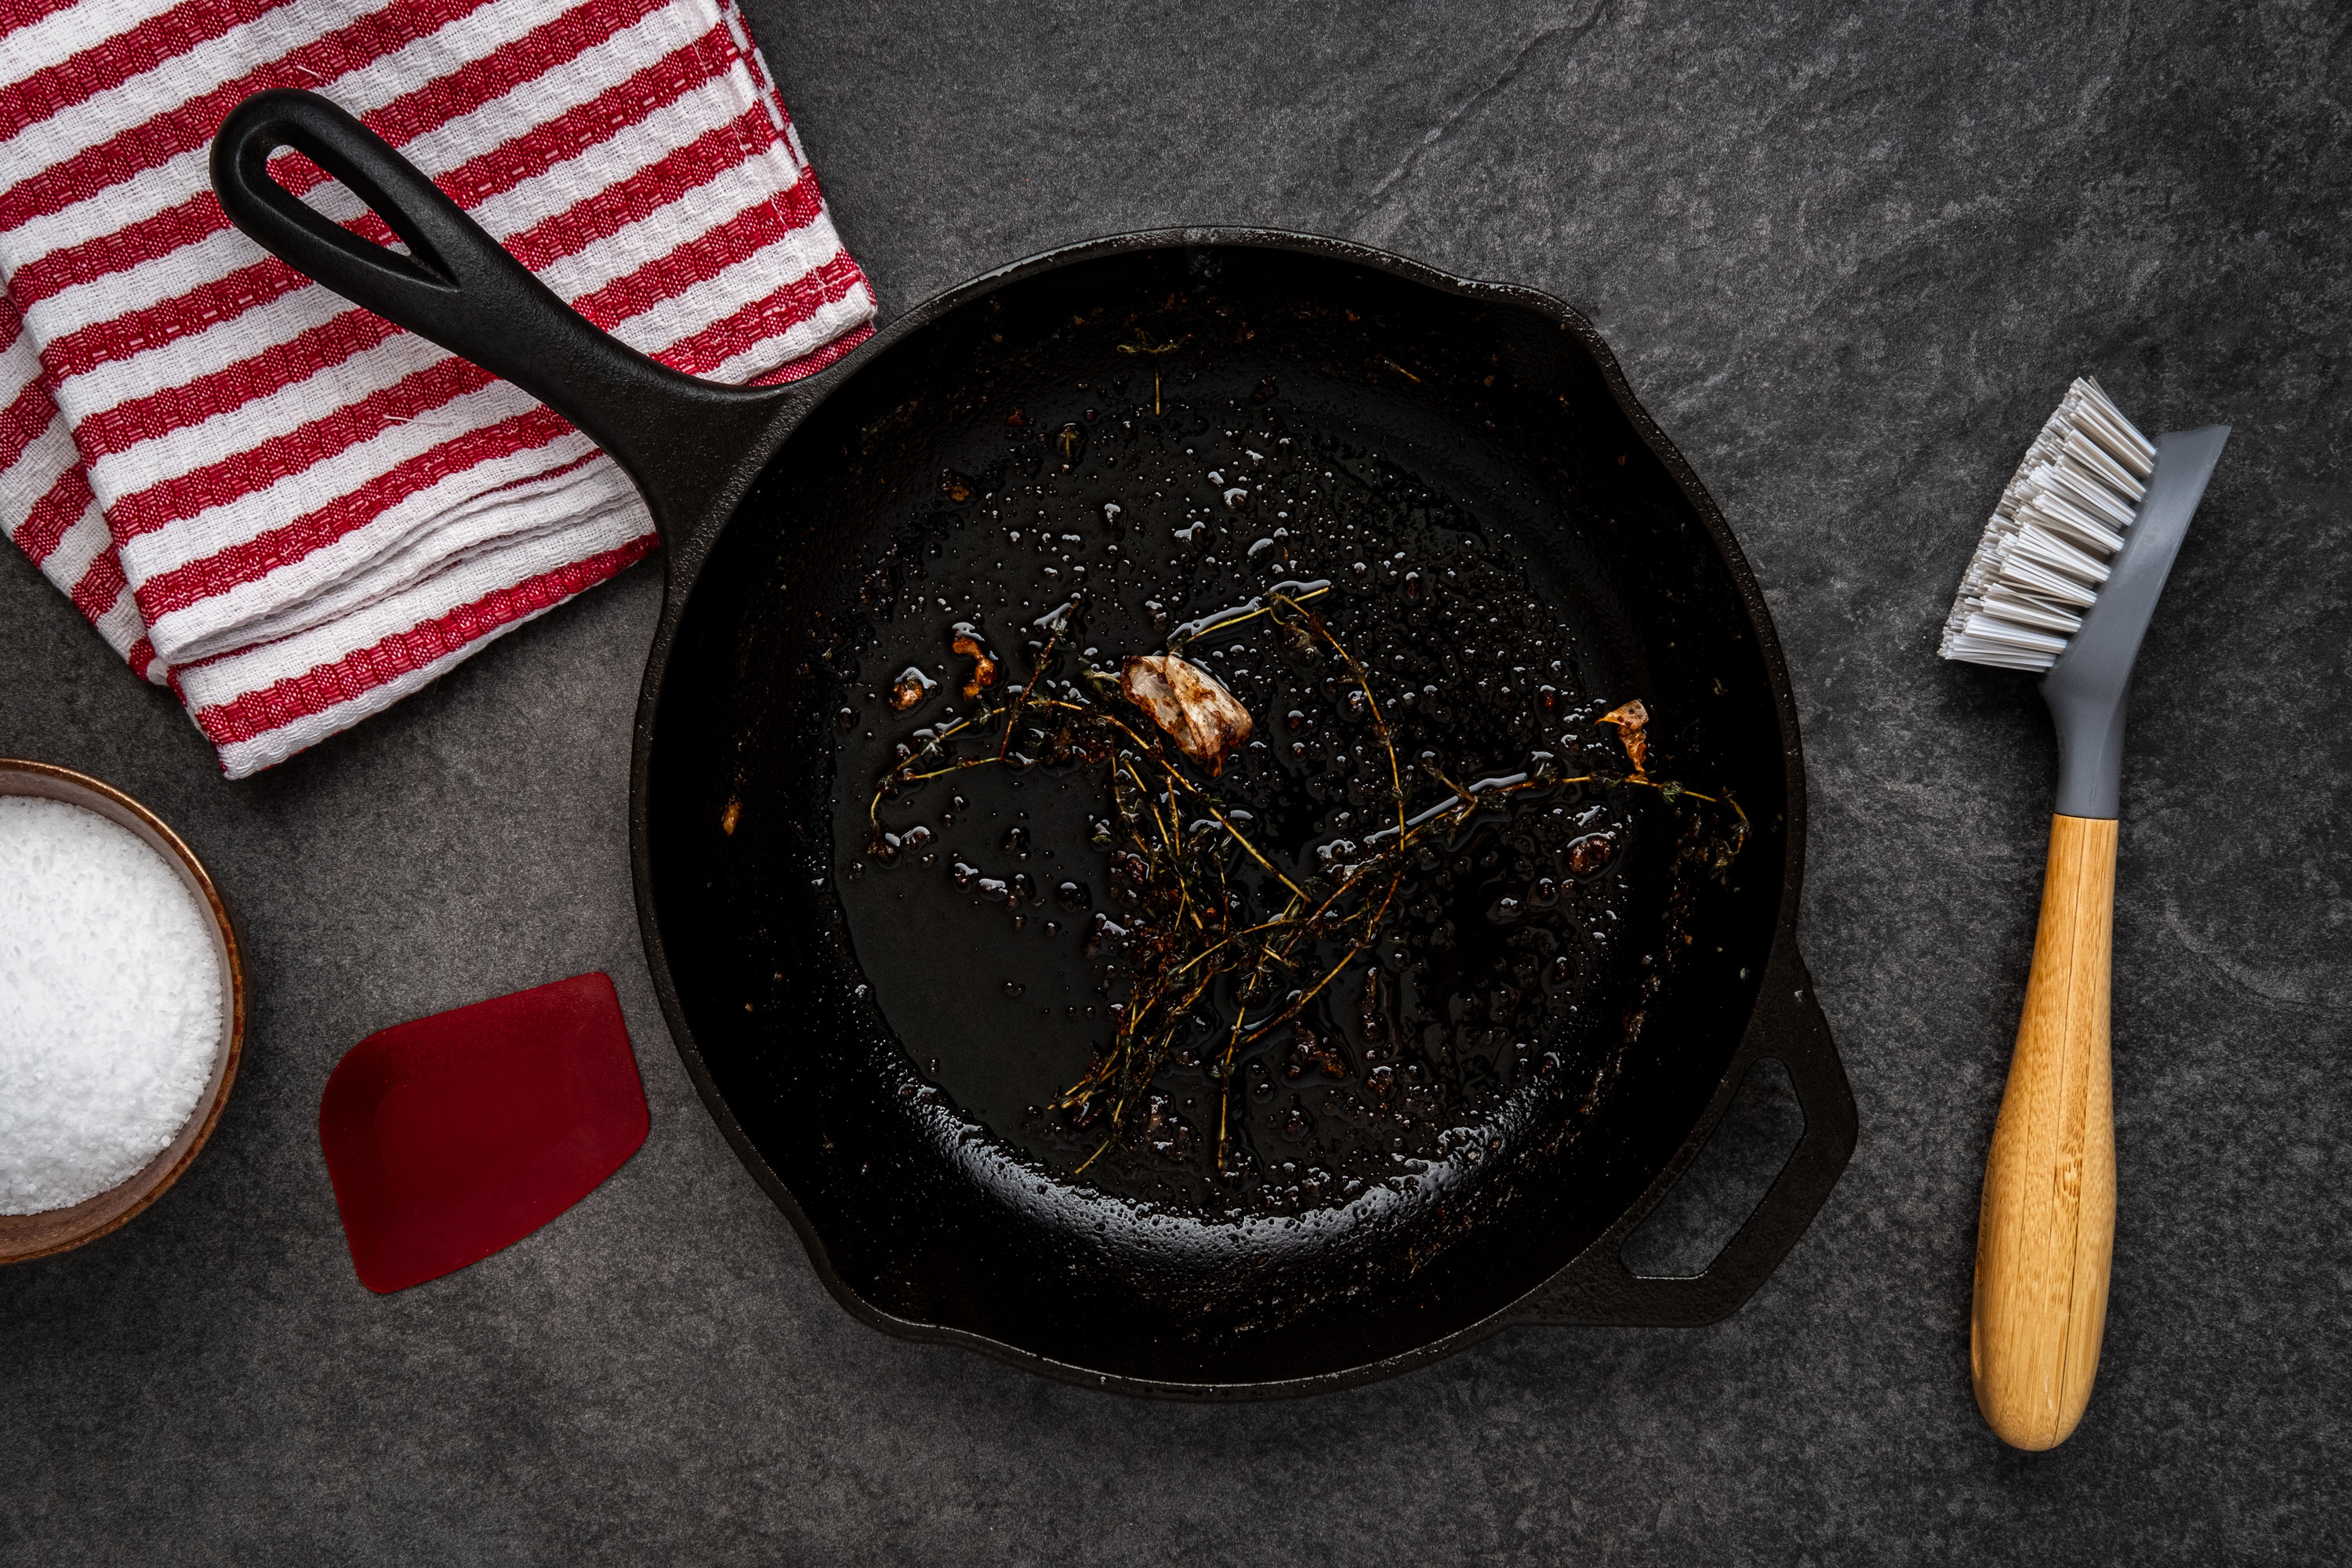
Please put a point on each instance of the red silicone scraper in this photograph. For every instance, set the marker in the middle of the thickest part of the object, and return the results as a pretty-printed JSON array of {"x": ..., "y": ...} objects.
[{"x": 451, "y": 1137}]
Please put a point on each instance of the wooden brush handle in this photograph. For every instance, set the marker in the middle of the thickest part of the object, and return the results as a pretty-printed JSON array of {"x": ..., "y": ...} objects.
[{"x": 2046, "y": 1232}]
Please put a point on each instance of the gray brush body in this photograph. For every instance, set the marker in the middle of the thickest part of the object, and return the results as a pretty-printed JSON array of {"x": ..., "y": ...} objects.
[{"x": 2090, "y": 686}]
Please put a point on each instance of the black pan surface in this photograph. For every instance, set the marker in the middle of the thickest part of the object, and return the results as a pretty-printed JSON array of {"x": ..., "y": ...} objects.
[{"x": 1119, "y": 439}]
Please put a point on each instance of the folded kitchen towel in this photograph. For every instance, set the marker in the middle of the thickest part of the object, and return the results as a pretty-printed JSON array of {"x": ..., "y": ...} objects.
[{"x": 289, "y": 510}]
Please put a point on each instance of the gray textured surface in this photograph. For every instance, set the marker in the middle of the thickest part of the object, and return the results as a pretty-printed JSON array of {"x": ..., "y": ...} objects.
[{"x": 1850, "y": 261}]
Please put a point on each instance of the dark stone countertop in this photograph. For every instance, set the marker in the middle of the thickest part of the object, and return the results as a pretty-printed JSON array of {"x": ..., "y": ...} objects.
[{"x": 1850, "y": 258}]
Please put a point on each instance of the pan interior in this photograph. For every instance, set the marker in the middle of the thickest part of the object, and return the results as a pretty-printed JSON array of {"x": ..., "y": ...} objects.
[
  {"x": 893, "y": 995},
  {"x": 1055, "y": 887}
]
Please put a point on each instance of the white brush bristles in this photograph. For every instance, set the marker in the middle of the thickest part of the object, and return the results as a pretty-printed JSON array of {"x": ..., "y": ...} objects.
[{"x": 2043, "y": 555}]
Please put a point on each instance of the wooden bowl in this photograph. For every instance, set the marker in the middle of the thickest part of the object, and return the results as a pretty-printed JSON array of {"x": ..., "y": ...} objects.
[{"x": 28, "y": 1236}]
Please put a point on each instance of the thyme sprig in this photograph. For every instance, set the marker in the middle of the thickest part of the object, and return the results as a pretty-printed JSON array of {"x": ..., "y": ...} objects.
[{"x": 1188, "y": 928}]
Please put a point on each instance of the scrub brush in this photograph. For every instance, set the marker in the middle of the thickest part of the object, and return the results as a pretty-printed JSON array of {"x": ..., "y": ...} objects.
[{"x": 2064, "y": 581}]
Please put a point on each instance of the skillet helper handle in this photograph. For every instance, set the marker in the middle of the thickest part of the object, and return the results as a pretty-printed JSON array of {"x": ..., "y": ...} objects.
[
  {"x": 677, "y": 436},
  {"x": 2046, "y": 1232},
  {"x": 1785, "y": 1025}
]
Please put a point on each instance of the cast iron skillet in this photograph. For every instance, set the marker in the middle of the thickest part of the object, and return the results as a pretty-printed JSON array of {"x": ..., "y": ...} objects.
[{"x": 775, "y": 504}]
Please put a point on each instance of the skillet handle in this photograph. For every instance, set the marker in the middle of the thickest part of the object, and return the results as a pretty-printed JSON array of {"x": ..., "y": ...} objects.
[
  {"x": 681, "y": 439},
  {"x": 1785, "y": 1025}
]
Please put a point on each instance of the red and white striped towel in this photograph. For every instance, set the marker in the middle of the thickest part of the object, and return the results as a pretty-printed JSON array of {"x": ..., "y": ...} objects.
[{"x": 288, "y": 510}]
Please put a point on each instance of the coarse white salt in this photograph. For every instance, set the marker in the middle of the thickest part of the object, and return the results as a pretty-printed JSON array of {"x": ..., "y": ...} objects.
[{"x": 110, "y": 1004}]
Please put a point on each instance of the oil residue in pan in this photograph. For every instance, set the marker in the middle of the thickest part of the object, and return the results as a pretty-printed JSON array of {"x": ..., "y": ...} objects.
[{"x": 983, "y": 903}]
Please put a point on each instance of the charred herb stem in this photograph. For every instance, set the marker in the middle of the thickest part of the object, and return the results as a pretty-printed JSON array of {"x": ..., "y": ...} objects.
[{"x": 1189, "y": 931}]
